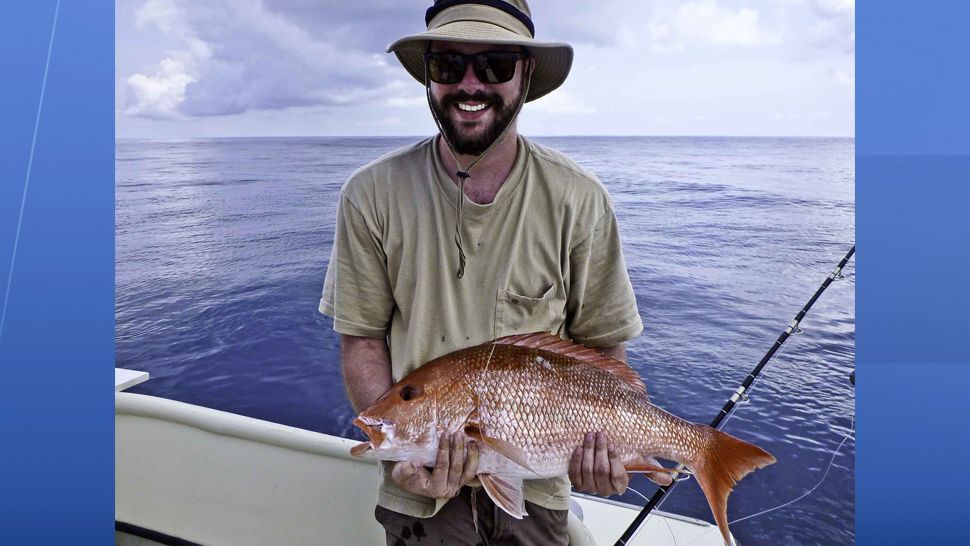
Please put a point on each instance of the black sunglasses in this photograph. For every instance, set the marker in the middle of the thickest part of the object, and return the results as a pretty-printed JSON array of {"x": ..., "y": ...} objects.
[{"x": 489, "y": 66}]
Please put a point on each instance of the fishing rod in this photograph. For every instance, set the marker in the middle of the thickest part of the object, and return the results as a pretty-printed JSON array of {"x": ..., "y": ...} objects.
[{"x": 739, "y": 394}]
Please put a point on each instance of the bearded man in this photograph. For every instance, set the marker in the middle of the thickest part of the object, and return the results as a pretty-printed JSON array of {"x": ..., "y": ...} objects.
[{"x": 468, "y": 236}]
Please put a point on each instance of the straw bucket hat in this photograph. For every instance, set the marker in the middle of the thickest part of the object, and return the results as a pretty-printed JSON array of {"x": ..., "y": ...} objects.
[{"x": 487, "y": 22}]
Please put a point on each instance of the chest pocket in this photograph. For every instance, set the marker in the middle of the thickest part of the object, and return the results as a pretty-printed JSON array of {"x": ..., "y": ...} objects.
[{"x": 518, "y": 314}]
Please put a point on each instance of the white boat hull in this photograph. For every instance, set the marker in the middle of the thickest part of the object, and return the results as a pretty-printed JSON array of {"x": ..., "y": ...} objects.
[{"x": 193, "y": 474}]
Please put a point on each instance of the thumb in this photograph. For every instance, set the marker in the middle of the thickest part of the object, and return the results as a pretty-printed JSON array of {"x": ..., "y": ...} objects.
[{"x": 406, "y": 469}]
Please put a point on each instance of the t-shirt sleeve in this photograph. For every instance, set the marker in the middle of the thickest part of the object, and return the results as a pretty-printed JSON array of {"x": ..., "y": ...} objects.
[
  {"x": 601, "y": 306},
  {"x": 356, "y": 291}
]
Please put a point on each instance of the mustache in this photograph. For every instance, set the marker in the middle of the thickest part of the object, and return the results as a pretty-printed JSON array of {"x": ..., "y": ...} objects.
[{"x": 479, "y": 96}]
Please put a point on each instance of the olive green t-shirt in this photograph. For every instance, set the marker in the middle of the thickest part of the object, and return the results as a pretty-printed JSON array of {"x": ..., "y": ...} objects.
[{"x": 543, "y": 256}]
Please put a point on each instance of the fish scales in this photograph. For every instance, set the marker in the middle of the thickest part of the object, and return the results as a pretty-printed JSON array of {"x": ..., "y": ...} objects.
[
  {"x": 528, "y": 400},
  {"x": 546, "y": 402}
]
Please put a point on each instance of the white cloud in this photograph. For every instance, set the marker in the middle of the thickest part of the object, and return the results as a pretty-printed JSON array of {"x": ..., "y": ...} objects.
[
  {"x": 407, "y": 102},
  {"x": 589, "y": 23},
  {"x": 804, "y": 27},
  {"x": 842, "y": 77},
  {"x": 829, "y": 25},
  {"x": 158, "y": 96},
  {"x": 161, "y": 13},
  {"x": 706, "y": 23},
  {"x": 833, "y": 8},
  {"x": 238, "y": 55},
  {"x": 313, "y": 67}
]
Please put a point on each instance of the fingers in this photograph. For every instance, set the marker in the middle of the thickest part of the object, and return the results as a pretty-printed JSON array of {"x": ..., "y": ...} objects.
[
  {"x": 410, "y": 476},
  {"x": 439, "y": 476},
  {"x": 456, "y": 463},
  {"x": 601, "y": 466},
  {"x": 457, "y": 454},
  {"x": 589, "y": 482},
  {"x": 575, "y": 468},
  {"x": 470, "y": 470},
  {"x": 619, "y": 478},
  {"x": 596, "y": 467}
]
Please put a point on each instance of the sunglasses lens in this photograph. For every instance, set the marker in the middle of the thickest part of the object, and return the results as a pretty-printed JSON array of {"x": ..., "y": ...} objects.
[
  {"x": 446, "y": 68},
  {"x": 495, "y": 66},
  {"x": 489, "y": 67}
]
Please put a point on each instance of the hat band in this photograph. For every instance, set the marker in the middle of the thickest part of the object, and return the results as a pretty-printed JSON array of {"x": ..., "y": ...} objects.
[{"x": 442, "y": 5}]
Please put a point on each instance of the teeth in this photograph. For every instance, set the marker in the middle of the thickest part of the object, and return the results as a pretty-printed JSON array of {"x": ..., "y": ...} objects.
[{"x": 470, "y": 108}]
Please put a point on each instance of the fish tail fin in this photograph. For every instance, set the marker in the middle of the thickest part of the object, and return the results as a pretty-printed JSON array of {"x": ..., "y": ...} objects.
[{"x": 723, "y": 461}]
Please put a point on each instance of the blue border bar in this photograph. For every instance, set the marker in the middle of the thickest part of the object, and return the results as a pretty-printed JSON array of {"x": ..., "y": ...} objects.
[
  {"x": 57, "y": 256},
  {"x": 913, "y": 271}
]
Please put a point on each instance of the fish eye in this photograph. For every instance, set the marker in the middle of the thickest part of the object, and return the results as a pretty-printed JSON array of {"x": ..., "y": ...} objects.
[{"x": 408, "y": 392}]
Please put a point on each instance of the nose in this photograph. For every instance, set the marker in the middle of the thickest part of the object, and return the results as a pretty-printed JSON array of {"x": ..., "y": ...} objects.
[{"x": 470, "y": 82}]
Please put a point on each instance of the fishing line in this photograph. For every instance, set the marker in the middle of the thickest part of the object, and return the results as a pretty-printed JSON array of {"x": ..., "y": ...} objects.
[
  {"x": 742, "y": 401},
  {"x": 745, "y": 400},
  {"x": 740, "y": 393},
  {"x": 489, "y": 359},
  {"x": 825, "y": 474},
  {"x": 810, "y": 491},
  {"x": 673, "y": 537}
]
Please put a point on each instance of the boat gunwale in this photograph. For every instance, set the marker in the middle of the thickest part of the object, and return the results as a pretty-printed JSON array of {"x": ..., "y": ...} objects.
[{"x": 233, "y": 425}]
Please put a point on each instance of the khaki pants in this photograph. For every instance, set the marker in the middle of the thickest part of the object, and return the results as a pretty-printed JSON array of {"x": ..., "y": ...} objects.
[{"x": 453, "y": 525}]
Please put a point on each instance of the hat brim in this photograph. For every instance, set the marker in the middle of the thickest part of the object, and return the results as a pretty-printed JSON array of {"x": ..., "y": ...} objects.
[{"x": 553, "y": 59}]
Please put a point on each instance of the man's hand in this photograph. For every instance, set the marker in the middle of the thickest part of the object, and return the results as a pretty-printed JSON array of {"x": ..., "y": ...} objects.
[
  {"x": 595, "y": 467},
  {"x": 455, "y": 465}
]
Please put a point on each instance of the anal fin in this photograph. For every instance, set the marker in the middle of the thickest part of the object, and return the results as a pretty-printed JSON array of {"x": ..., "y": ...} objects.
[
  {"x": 645, "y": 468},
  {"x": 656, "y": 473},
  {"x": 506, "y": 493}
]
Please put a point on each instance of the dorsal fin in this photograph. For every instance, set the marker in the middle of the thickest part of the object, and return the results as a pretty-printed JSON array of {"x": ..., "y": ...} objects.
[{"x": 547, "y": 342}]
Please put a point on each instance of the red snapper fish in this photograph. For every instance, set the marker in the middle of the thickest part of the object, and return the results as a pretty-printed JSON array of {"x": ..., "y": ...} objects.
[{"x": 528, "y": 400}]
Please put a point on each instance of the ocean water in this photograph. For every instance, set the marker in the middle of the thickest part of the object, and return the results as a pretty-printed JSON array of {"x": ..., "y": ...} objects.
[{"x": 222, "y": 245}]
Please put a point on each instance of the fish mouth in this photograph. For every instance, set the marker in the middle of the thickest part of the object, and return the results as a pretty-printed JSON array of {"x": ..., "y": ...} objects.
[
  {"x": 360, "y": 449},
  {"x": 375, "y": 431}
]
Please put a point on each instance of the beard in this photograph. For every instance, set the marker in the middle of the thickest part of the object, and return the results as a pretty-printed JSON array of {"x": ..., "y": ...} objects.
[{"x": 473, "y": 144}]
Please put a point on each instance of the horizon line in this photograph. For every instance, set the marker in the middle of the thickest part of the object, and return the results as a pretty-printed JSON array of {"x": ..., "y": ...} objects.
[{"x": 852, "y": 137}]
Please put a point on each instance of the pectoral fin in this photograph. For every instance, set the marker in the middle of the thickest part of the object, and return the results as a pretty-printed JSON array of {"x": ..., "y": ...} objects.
[
  {"x": 506, "y": 449},
  {"x": 506, "y": 493}
]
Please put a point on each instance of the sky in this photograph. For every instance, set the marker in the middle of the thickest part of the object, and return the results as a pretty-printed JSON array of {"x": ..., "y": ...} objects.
[{"x": 221, "y": 68}]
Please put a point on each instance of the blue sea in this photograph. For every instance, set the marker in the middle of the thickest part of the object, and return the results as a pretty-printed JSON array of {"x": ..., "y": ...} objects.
[{"x": 222, "y": 245}]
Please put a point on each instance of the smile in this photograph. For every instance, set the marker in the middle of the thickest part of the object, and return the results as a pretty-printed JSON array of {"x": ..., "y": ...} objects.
[{"x": 466, "y": 107}]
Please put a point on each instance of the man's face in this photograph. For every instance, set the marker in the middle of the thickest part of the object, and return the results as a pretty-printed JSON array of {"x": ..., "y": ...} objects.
[{"x": 469, "y": 129}]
